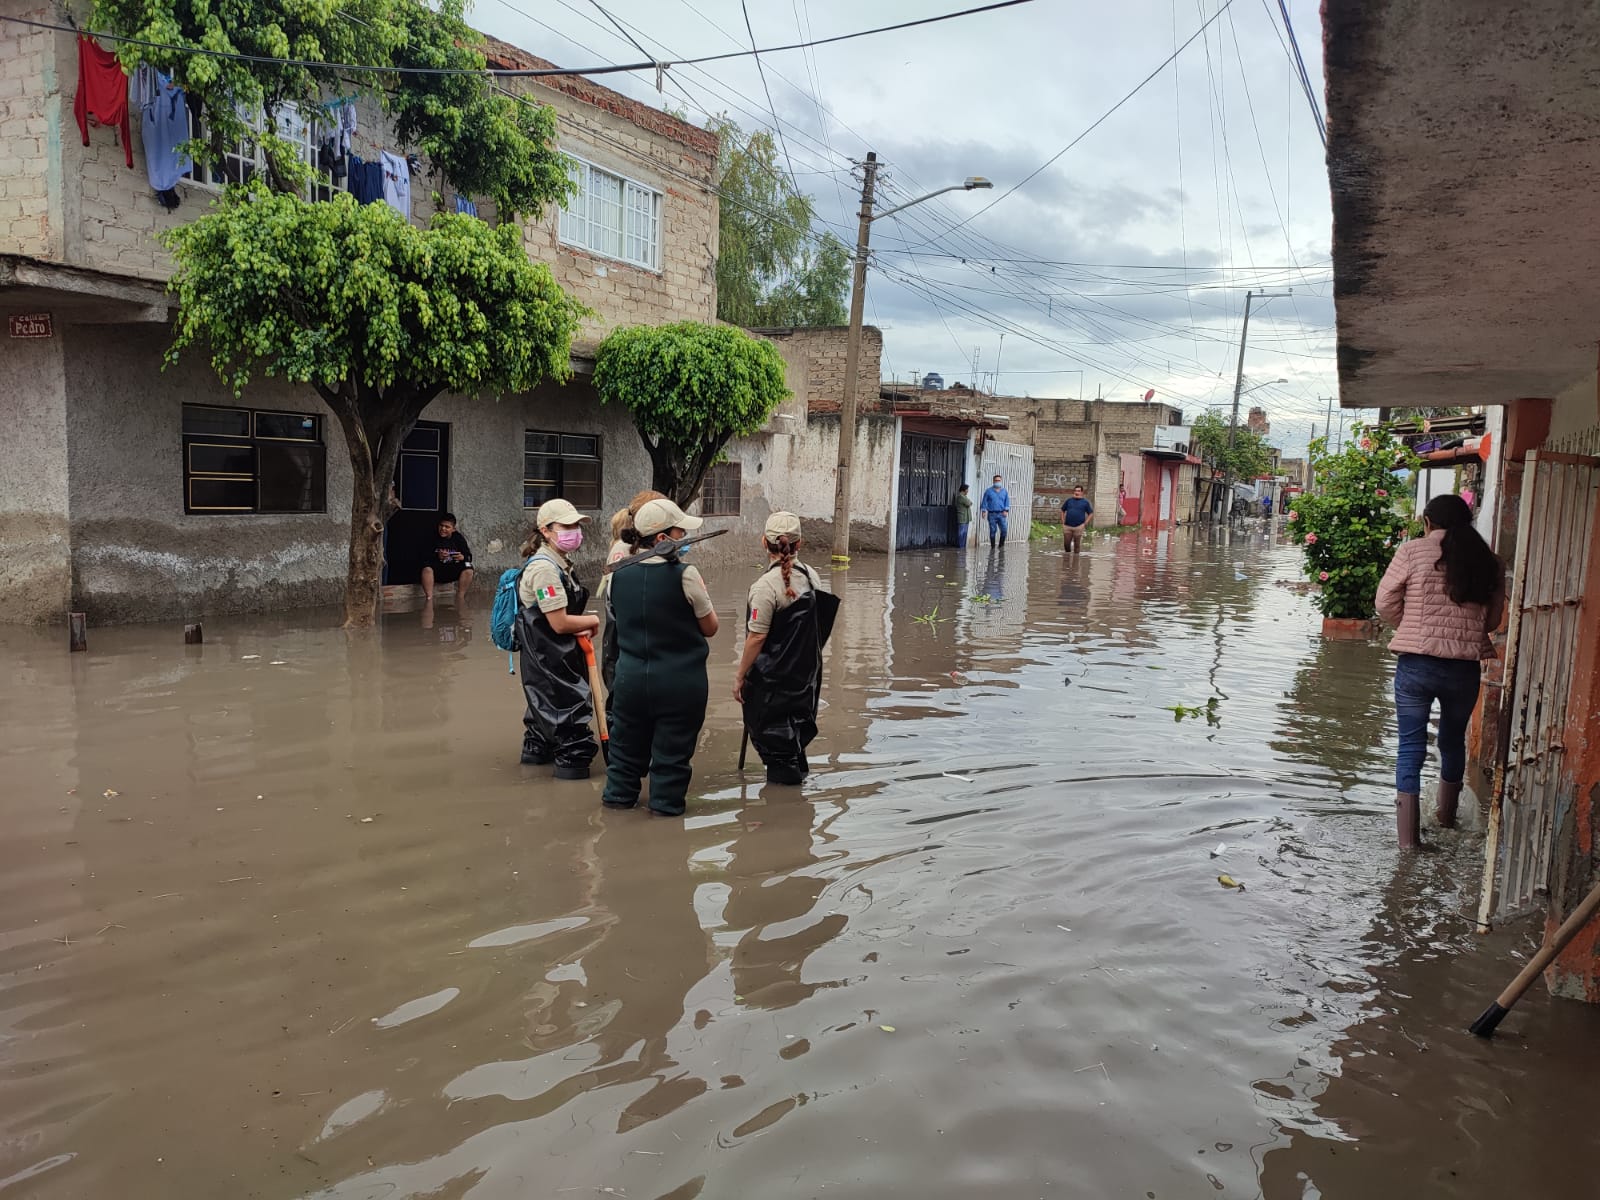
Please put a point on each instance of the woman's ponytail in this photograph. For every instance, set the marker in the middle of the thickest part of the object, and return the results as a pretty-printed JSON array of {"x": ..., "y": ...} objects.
[
  {"x": 1472, "y": 571},
  {"x": 786, "y": 547}
]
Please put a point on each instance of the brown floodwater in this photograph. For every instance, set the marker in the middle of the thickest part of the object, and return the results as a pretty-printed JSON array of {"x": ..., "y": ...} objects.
[{"x": 282, "y": 916}]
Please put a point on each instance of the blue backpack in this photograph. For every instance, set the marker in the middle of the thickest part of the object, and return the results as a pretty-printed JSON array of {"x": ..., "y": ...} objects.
[{"x": 503, "y": 620}]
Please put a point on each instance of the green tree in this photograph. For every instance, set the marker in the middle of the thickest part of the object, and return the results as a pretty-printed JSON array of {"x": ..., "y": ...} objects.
[
  {"x": 378, "y": 316},
  {"x": 1351, "y": 524},
  {"x": 689, "y": 388},
  {"x": 480, "y": 140},
  {"x": 770, "y": 271},
  {"x": 1247, "y": 458}
]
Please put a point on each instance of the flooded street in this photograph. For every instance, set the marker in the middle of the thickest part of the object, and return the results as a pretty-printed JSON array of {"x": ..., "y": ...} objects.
[{"x": 283, "y": 917}]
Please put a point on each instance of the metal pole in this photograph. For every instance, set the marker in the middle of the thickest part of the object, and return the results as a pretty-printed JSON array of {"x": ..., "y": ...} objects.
[{"x": 852, "y": 365}]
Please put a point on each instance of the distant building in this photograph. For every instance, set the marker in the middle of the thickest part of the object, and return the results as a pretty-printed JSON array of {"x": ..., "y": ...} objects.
[{"x": 1257, "y": 422}]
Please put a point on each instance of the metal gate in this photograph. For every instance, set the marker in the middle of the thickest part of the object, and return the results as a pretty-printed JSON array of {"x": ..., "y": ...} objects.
[
  {"x": 1544, "y": 602},
  {"x": 1014, "y": 464},
  {"x": 931, "y": 469}
]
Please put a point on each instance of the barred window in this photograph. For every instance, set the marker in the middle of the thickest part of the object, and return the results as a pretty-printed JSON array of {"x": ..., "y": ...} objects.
[
  {"x": 613, "y": 216},
  {"x": 719, "y": 493}
]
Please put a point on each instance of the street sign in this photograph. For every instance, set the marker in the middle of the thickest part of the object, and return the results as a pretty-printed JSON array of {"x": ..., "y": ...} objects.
[{"x": 32, "y": 325}]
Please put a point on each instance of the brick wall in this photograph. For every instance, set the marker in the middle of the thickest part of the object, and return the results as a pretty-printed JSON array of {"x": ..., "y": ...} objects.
[
  {"x": 818, "y": 356},
  {"x": 110, "y": 218},
  {"x": 32, "y": 120}
]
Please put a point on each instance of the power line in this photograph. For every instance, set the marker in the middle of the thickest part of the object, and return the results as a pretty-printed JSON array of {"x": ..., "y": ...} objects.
[
  {"x": 503, "y": 72},
  {"x": 1100, "y": 120},
  {"x": 762, "y": 72}
]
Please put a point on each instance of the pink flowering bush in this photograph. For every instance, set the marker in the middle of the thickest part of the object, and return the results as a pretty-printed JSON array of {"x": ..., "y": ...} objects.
[{"x": 1349, "y": 524}]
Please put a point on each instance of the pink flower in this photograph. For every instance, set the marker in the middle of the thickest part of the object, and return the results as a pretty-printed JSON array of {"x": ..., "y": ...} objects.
[
  {"x": 1322, "y": 575},
  {"x": 1366, "y": 443},
  {"x": 1382, "y": 493},
  {"x": 1293, "y": 516},
  {"x": 1311, "y": 539}
]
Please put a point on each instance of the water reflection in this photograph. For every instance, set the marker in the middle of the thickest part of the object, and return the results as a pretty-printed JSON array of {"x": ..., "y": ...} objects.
[{"x": 286, "y": 904}]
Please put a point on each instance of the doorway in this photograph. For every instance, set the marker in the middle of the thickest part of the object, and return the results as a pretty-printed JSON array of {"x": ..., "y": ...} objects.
[
  {"x": 931, "y": 469},
  {"x": 422, "y": 485}
]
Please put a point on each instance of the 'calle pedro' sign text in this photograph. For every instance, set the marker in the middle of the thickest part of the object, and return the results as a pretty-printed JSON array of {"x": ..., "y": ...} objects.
[{"x": 32, "y": 325}]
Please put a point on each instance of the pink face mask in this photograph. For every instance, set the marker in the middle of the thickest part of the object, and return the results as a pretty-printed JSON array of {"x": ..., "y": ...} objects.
[{"x": 568, "y": 540}]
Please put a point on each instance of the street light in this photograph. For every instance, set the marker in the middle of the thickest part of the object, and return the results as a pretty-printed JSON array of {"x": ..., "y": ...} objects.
[
  {"x": 852, "y": 357},
  {"x": 1253, "y": 387}
]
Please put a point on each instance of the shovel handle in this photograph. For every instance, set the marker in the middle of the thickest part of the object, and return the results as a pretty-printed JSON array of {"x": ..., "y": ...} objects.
[
  {"x": 587, "y": 643},
  {"x": 1484, "y": 1026}
]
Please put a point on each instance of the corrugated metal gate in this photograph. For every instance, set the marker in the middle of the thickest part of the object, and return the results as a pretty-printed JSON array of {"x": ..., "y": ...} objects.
[
  {"x": 931, "y": 469},
  {"x": 1014, "y": 464},
  {"x": 1545, "y": 600}
]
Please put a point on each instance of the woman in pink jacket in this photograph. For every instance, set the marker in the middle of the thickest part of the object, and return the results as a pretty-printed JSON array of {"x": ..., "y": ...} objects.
[{"x": 1444, "y": 593}]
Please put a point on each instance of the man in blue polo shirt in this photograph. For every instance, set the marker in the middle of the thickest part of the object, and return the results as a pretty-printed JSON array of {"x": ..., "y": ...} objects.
[
  {"x": 996, "y": 506},
  {"x": 1075, "y": 514}
]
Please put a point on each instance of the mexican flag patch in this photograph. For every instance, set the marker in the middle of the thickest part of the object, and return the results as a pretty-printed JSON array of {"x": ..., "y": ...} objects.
[
  {"x": 548, "y": 592},
  {"x": 755, "y": 614}
]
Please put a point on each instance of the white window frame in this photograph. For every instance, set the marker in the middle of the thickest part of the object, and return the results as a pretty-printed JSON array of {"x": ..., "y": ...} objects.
[
  {"x": 247, "y": 154},
  {"x": 612, "y": 216}
]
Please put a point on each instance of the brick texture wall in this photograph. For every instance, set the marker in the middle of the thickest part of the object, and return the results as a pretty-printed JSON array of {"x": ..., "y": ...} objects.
[
  {"x": 110, "y": 218},
  {"x": 31, "y": 130},
  {"x": 817, "y": 356}
]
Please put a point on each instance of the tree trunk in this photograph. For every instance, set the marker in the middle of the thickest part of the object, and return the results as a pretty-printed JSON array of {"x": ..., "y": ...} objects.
[{"x": 374, "y": 425}]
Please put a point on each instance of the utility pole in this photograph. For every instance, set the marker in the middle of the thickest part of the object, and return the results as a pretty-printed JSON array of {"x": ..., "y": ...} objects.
[
  {"x": 997, "y": 355},
  {"x": 848, "y": 405},
  {"x": 852, "y": 367},
  {"x": 1238, "y": 384}
]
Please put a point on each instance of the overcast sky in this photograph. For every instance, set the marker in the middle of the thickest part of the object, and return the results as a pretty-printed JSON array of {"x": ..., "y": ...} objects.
[{"x": 1122, "y": 266}]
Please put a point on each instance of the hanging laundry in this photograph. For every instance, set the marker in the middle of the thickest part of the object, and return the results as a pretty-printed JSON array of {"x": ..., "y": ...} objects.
[
  {"x": 397, "y": 184},
  {"x": 347, "y": 124},
  {"x": 102, "y": 93},
  {"x": 164, "y": 123},
  {"x": 329, "y": 157},
  {"x": 366, "y": 180},
  {"x": 463, "y": 205}
]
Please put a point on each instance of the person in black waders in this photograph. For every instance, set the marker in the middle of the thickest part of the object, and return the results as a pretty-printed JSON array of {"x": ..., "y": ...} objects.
[
  {"x": 664, "y": 618},
  {"x": 555, "y": 674},
  {"x": 779, "y": 680},
  {"x": 623, "y": 535}
]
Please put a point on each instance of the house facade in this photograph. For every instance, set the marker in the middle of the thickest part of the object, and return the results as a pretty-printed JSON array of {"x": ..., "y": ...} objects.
[
  {"x": 134, "y": 491},
  {"x": 1485, "y": 297}
]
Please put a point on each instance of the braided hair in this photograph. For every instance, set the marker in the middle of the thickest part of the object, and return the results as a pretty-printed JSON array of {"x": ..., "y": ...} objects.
[{"x": 786, "y": 547}]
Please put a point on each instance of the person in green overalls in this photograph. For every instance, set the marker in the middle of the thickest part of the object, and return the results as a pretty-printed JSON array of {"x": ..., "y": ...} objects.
[
  {"x": 664, "y": 618},
  {"x": 550, "y": 618}
]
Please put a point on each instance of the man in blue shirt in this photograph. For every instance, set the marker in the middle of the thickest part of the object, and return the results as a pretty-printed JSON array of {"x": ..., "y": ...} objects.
[
  {"x": 1075, "y": 514},
  {"x": 996, "y": 506}
]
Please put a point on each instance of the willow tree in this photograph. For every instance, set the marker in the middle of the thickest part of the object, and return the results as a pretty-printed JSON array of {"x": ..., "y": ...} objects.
[
  {"x": 689, "y": 387},
  {"x": 377, "y": 315}
]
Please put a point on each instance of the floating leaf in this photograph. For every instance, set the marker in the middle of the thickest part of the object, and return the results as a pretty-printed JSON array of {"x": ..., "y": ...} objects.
[{"x": 887, "y": 1028}]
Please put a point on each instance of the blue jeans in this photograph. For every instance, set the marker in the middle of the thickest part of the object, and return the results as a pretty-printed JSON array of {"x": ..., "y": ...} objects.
[
  {"x": 1419, "y": 680},
  {"x": 997, "y": 523},
  {"x": 961, "y": 533}
]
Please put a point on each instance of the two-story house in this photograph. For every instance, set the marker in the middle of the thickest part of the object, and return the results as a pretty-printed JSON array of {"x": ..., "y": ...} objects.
[{"x": 136, "y": 492}]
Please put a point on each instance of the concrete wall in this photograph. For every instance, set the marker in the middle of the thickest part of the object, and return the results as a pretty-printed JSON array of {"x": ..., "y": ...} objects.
[
  {"x": 34, "y": 547},
  {"x": 82, "y": 205},
  {"x": 137, "y": 556},
  {"x": 795, "y": 471},
  {"x": 816, "y": 360},
  {"x": 33, "y": 118}
]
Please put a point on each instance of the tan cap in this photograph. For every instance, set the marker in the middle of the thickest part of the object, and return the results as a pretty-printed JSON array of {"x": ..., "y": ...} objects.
[
  {"x": 782, "y": 524},
  {"x": 656, "y": 516},
  {"x": 557, "y": 512}
]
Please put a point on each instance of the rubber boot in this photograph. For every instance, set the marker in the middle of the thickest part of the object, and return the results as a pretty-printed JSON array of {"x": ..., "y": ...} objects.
[
  {"x": 534, "y": 753},
  {"x": 1449, "y": 799},
  {"x": 1408, "y": 820}
]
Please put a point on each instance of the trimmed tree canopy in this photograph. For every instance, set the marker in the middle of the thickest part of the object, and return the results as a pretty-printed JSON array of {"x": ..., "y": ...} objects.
[
  {"x": 377, "y": 315},
  {"x": 689, "y": 387}
]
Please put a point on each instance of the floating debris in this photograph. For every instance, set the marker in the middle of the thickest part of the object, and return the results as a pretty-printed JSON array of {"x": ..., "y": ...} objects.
[{"x": 1228, "y": 881}]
